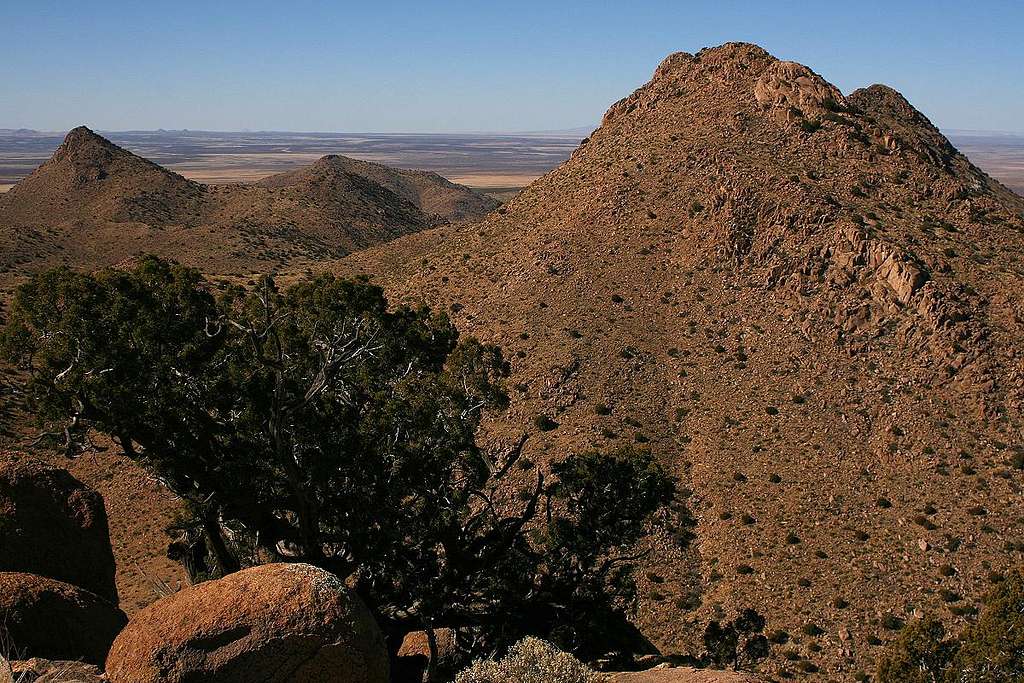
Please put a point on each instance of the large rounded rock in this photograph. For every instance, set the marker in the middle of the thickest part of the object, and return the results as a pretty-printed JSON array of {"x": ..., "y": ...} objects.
[
  {"x": 55, "y": 620},
  {"x": 53, "y": 525},
  {"x": 268, "y": 624}
]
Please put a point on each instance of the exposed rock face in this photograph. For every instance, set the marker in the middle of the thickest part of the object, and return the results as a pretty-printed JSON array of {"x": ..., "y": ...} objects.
[
  {"x": 52, "y": 525},
  {"x": 785, "y": 85},
  {"x": 55, "y": 620},
  {"x": 276, "y": 623}
]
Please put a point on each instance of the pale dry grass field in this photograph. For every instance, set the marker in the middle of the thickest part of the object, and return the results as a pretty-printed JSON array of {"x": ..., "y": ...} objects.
[{"x": 489, "y": 181}]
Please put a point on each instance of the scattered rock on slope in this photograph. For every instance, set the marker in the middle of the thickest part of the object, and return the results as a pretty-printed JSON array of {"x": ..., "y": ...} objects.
[
  {"x": 275, "y": 623},
  {"x": 802, "y": 302},
  {"x": 52, "y": 525},
  {"x": 42, "y": 617}
]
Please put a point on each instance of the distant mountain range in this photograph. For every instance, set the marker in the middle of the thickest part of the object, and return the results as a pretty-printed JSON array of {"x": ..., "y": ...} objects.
[{"x": 94, "y": 203}]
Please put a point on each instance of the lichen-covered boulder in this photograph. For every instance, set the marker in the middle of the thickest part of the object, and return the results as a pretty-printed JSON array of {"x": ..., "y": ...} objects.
[
  {"x": 268, "y": 624},
  {"x": 45, "y": 618},
  {"x": 53, "y": 525}
]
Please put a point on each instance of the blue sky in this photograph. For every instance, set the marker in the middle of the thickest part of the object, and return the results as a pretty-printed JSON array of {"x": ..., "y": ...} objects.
[{"x": 470, "y": 66}]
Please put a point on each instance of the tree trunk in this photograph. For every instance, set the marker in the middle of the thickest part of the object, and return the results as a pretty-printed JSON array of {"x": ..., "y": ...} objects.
[
  {"x": 227, "y": 563},
  {"x": 432, "y": 662}
]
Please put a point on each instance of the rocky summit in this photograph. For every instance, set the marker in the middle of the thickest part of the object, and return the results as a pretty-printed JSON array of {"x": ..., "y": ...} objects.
[{"x": 806, "y": 303}]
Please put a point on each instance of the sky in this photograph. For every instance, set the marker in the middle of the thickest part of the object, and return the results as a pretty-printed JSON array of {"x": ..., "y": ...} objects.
[{"x": 436, "y": 66}]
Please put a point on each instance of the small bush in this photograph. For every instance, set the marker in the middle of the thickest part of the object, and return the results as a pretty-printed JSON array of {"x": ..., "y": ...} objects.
[
  {"x": 737, "y": 642},
  {"x": 891, "y": 622},
  {"x": 920, "y": 655},
  {"x": 531, "y": 660},
  {"x": 810, "y": 125},
  {"x": 544, "y": 423}
]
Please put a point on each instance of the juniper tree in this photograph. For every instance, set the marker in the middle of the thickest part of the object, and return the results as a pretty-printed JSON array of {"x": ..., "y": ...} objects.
[{"x": 315, "y": 423}]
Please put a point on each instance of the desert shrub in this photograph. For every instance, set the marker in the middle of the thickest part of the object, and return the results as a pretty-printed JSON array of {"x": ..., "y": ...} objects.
[
  {"x": 737, "y": 643},
  {"x": 319, "y": 424},
  {"x": 544, "y": 423},
  {"x": 810, "y": 125},
  {"x": 891, "y": 622},
  {"x": 989, "y": 651},
  {"x": 531, "y": 660},
  {"x": 920, "y": 655}
]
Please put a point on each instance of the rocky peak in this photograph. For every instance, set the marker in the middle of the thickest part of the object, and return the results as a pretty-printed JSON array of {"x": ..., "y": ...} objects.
[{"x": 83, "y": 145}]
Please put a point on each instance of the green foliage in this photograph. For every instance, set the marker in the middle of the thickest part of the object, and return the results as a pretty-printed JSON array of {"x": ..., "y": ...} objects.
[
  {"x": 989, "y": 651},
  {"x": 920, "y": 655},
  {"x": 992, "y": 649},
  {"x": 318, "y": 424}
]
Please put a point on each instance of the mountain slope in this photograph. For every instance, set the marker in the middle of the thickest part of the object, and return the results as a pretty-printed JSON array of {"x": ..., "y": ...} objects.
[
  {"x": 429, "y": 192},
  {"x": 95, "y": 204},
  {"x": 89, "y": 178},
  {"x": 806, "y": 304}
]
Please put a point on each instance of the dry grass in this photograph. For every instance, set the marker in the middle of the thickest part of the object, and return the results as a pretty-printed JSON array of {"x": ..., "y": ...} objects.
[{"x": 531, "y": 660}]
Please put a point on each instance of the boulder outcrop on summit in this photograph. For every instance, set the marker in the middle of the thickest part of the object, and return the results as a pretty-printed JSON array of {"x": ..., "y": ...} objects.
[{"x": 805, "y": 303}]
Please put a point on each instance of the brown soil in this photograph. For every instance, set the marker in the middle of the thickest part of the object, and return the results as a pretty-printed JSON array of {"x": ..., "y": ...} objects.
[{"x": 806, "y": 304}]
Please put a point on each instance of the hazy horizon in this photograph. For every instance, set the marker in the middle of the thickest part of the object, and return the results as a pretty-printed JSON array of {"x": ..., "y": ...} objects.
[{"x": 468, "y": 68}]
